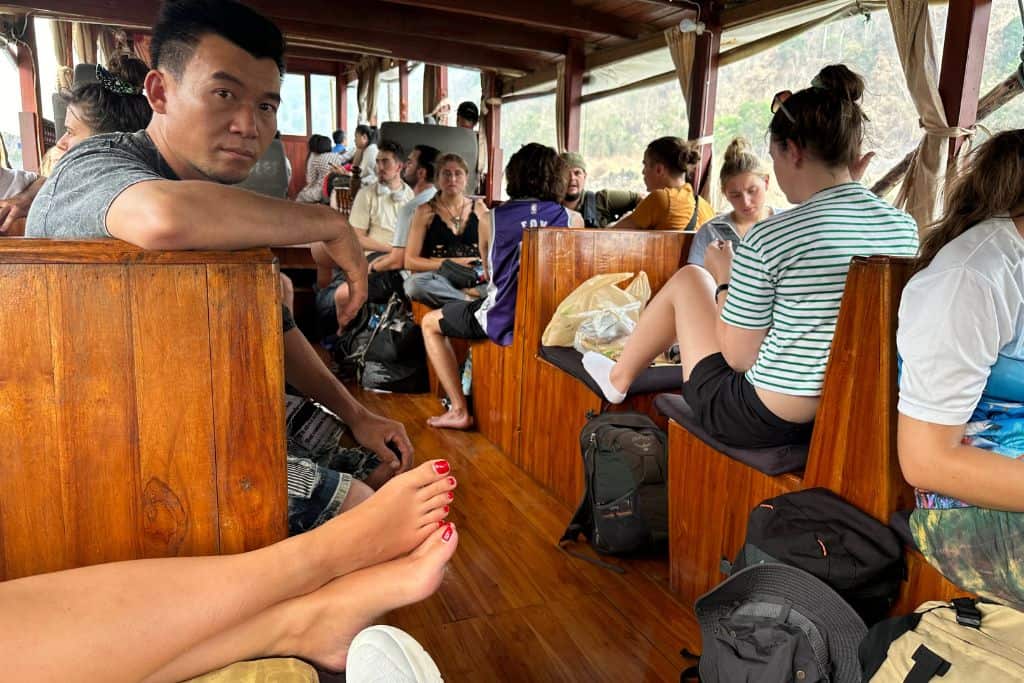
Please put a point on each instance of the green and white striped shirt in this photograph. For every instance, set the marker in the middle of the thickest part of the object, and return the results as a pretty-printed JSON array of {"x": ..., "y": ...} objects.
[{"x": 788, "y": 277}]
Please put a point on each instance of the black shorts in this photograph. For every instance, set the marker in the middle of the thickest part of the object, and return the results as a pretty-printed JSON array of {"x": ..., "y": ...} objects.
[
  {"x": 458, "y": 319},
  {"x": 728, "y": 407}
]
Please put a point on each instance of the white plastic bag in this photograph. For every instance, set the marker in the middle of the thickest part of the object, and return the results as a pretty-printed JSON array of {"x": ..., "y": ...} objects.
[{"x": 598, "y": 315}]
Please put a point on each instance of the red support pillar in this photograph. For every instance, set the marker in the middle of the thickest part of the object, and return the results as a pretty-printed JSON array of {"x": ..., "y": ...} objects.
[
  {"x": 403, "y": 90},
  {"x": 963, "y": 57},
  {"x": 570, "y": 123},
  {"x": 30, "y": 119},
  {"x": 495, "y": 163},
  {"x": 701, "y": 107},
  {"x": 342, "y": 96}
]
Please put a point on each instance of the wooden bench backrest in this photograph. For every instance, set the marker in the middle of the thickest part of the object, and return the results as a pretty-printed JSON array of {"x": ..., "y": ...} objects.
[
  {"x": 853, "y": 448},
  {"x": 141, "y": 404}
]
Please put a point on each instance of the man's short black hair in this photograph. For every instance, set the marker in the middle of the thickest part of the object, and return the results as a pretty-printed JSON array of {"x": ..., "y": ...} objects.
[
  {"x": 182, "y": 23},
  {"x": 392, "y": 148},
  {"x": 427, "y": 160},
  {"x": 338, "y": 136}
]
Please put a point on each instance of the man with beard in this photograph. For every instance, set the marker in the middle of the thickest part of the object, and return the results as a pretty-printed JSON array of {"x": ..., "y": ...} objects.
[{"x": 598, "y": 209}]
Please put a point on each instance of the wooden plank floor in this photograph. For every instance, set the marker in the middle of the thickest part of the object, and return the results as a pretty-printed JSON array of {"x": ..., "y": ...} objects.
[{"x": 513, "y": 607}]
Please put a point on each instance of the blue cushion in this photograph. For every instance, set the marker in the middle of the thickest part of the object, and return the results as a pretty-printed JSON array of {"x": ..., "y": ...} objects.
[
  {"x": 650, "y": 381},
  {"x": 771, "y": 461}
]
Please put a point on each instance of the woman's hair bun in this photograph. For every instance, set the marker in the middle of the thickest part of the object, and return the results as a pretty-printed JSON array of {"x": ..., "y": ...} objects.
[
  {"x": 839, "y": 79},
  {"x": 738, "y": 148},
  {"x": 129, "y": 69}
]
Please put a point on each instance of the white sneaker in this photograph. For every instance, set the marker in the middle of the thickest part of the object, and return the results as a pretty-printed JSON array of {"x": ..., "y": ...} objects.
[{"x": 385, "y": 654}]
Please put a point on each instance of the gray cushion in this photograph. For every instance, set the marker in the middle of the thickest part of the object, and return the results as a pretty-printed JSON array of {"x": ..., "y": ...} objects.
[
  {"x": 771, "y": 461},
  {"x": 650, "y": 381}
]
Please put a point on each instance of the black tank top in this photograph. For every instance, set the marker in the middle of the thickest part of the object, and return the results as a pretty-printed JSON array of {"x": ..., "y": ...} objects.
[{"x": 441, "y": 242}]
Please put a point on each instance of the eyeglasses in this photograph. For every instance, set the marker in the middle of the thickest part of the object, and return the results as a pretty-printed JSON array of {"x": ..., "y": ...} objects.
[{"x": 778, "y": 104}]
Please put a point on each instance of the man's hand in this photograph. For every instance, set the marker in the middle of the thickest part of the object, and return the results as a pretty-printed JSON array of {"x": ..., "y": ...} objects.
[
  {"x": 375, "y": 432},
  {"x": 346, "y": 252},
  {"x": 718, "y": 260},
  {"x": 14, "y": 209},
  {"x": 858, "y": 167}
]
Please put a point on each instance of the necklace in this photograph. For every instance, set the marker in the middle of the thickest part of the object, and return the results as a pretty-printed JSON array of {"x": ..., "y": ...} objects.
[{"x": 456, "y": 217}]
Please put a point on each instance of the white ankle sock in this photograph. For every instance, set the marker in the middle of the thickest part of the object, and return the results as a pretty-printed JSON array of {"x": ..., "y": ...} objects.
[{"x": 600, "y": 367}]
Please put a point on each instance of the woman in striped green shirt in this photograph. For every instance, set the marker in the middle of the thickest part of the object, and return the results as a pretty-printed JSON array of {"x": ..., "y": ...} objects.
[{"x": 755, "y": 330}]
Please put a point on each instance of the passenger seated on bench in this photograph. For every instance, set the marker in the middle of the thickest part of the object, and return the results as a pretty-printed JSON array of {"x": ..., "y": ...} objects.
[
  {"x": 671, "y": 203},
  {"x": 744, "y": 179},
  {"x": 114, "y": 102},
  {"x": 597, "y": 208},
  {"x": 171, "y": 619},
  {"x": 214, "y": 91},
  {"x": 754, "y": 356},
  {"x": 363, "y": 154},
  {"x": 374, "y": 217},
  {"x": 318, "y": 165},
  {"x": 536, "y": 178},
  {"x": 961, "y": 338},
  {"x": 448, "y": 227}
]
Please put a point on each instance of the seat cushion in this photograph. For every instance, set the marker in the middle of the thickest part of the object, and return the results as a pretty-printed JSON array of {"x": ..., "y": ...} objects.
[
  {"x": 771, "y": 461},
  {"x": 650, "y": 381}
]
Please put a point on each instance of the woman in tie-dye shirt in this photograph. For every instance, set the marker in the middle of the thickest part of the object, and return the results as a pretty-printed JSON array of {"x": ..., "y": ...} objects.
[{"x": 961, "y": 338}]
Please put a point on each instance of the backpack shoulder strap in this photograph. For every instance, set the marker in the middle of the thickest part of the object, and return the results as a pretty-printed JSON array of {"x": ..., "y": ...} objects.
[{"x": 696, "y": 207}]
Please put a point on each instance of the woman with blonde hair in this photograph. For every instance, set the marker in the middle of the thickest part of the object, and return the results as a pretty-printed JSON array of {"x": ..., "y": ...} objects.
[
  {"x": 447, "y": 228},
  {"x": 961, "y": 406},
  {"x": 744, "y": 179}
]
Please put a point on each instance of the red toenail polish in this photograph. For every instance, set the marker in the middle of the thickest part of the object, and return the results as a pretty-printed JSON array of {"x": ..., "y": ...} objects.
[
  {"x": 451, "y": 480},
  {"x": 447, "y": 535},
  {"x": 440, "y": 523},
  {"x": 451, "y": 496},
  {"x": 442, "y": 467},
  {"x": 446, "y": 508}
]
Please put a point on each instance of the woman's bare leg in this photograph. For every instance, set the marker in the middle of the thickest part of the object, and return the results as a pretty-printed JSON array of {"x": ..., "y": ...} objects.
[
  {"x": 125, "y": 620},
  {"x": 684, "y": 311},
  {"x": 442, "y": 358},
  {"x": 320, "y": 626}
]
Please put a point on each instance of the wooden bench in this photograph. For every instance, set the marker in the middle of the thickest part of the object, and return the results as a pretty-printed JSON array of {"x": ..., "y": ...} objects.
[
  {"x": 141, "y": 410},
  {"x": 543, "y": 437},
  {"x": 852, "y": 450}
]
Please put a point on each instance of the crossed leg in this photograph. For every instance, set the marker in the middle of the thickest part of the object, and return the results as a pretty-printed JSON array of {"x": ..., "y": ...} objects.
[{"x": 126, "y": 621}]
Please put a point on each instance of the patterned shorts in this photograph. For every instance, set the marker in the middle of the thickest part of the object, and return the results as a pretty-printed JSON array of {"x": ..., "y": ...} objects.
[
  {"x": 980, "y": 550},
  {"x": 323, "y": 459}
]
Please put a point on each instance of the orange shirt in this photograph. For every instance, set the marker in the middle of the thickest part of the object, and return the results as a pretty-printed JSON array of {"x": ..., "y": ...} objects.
[{"x": 671, "y": 209}]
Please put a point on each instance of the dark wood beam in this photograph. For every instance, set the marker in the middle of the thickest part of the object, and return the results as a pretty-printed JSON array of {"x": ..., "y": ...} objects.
[
  {"x": 556, "y": 16},
  {"x": 704, "y": 90},
  {"x": 756, "y": 10},
  {"x": 342, "y": 85},
  {"x": 573, "y": 86},
  {"x": 492, "y": 129},
  {"x": 142, "y": 13},
  {"x": 318, "y": 54},
  {"x": 963, "y": 57}
]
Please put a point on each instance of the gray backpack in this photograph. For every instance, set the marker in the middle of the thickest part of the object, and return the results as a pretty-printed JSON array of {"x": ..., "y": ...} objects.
[{"x": 625, "y": 504}]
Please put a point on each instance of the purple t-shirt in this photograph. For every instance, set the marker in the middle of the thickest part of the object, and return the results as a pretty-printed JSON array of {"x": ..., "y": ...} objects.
[{"x": 497, "y": 315}]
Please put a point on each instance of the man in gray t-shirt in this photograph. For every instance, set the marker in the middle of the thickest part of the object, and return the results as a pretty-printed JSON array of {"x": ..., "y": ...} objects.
[{"x": 169, "y": 187}]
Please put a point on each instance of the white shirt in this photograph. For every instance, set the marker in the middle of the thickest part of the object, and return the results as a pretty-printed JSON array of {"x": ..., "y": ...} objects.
[
  {"x": 405, "y": 215},
  {"x": 13, "y": 182},
  {"x": 375, "y": 210},
  {"x": 956, "y": 317}
]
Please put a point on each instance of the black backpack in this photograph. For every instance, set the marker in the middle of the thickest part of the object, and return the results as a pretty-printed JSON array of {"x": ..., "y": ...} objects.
[
  {"x": 625, "y": 504},
  {"x": 384, "y": 349},
  {"x": 819, "y": 532}
]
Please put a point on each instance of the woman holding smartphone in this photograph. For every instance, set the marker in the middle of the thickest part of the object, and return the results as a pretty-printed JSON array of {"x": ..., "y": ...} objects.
[
  {"x": 755, "y": 332},
  {"x": 744, "y": 179}
]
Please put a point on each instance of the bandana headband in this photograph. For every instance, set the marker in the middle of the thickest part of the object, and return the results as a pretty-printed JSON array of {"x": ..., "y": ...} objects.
[{"x": 114, "y": 84}]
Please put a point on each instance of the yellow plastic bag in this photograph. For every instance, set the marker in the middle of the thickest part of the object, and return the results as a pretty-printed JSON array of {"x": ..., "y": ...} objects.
[{"x": 598, "y": 315}]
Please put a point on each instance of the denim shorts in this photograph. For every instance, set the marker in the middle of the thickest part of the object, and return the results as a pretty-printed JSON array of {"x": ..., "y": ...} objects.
[{"x": 315, "y": 494}]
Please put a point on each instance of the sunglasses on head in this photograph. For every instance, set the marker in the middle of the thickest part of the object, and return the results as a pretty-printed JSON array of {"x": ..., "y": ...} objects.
[{"x": 779, "y": 104}]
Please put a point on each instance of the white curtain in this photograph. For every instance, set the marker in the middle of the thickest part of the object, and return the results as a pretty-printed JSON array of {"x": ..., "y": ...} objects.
[
  {"x": 921, "y": 193},
  {"x": 681, "y": 46}
]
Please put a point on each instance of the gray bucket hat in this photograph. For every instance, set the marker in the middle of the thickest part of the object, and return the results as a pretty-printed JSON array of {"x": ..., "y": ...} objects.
[{"x": 774, "y": 616}]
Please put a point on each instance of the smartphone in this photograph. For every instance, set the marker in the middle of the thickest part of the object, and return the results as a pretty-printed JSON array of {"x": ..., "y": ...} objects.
[{"x": 716, "y": 234}]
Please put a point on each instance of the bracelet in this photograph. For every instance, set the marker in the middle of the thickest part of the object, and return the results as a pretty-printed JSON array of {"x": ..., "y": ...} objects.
[{"x": 721, "y": 288}]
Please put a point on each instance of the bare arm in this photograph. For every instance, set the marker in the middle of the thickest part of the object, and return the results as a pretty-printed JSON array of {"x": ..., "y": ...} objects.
[
  {"x": 576, "y": 220},
  {"x": 173, "y": 214},
  {"x": 933, "y": 458},
  {"x": 739, "y": 345},
  {"x": 306, "y": 372},
  {"x": 393, "y": 260},
  {"x": 625, "y": 223},
  {"x": 370, "y": 244}
]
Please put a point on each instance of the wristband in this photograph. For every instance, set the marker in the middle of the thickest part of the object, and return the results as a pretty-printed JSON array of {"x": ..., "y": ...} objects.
[{"x": 721, "y": 288}]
